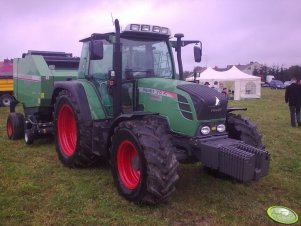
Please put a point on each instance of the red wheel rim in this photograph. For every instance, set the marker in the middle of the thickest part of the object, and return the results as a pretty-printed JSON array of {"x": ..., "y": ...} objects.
[
  {"x": 9, "y": 128},
  {"x": 67, "y": 130},
  {"x": 128, "y": 164}
]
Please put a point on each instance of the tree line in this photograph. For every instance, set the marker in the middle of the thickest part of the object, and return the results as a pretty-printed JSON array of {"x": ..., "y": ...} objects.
[{"x": 280, "y": 73}]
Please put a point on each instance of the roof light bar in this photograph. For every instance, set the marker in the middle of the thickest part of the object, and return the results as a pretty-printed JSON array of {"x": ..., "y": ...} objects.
[{"x": 147, "y": 28}]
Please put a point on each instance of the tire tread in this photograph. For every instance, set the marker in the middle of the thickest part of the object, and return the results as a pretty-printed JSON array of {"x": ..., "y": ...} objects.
[
  {"x": 84, "y": 157},
  {"x": 155, "y": 140}
]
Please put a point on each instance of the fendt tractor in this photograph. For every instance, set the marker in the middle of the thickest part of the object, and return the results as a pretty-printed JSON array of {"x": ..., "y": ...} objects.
[{"x": 120, "y": 102}]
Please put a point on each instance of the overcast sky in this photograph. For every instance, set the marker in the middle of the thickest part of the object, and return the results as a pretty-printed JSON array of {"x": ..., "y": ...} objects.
[{"x": 232, "y": 31}]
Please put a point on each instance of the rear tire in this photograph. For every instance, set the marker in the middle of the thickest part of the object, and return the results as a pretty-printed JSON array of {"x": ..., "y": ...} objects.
[
  {"x": 143, "y": 162},
  {"x": 15, "y": 126},
  {"x": 6, "y": 100},
  {"x": 73, "y": 136},
  {"x": 240, "y": 128}
]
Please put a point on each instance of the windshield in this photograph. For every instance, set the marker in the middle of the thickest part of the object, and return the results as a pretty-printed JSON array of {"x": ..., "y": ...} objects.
[
  {"x": 140, "y": 59},
  {"x": 145, "y": 58}
]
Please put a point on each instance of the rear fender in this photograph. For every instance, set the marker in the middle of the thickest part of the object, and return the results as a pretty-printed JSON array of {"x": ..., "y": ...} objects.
[
  {"x": 230, "y": 109},
  {"x": 78, "y": 92}
]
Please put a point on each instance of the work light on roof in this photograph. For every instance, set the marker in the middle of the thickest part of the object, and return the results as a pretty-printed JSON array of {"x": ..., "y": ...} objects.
[
  {"x": 145, "y": 27},
  {"x": 156, "y": 29},
  {"x": 135, "y": 27},
  {"x": 164, "y": 30}
]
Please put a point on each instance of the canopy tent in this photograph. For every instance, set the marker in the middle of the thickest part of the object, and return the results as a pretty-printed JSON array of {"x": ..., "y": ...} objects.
[{"x": 240, "y": 84}]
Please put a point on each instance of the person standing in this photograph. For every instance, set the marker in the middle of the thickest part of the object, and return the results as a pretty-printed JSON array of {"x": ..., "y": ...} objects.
[{"x": 293, "y": 98}]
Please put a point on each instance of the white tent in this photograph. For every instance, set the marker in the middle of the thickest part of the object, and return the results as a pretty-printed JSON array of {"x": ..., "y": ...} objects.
[{"x": 242, "y": 85}]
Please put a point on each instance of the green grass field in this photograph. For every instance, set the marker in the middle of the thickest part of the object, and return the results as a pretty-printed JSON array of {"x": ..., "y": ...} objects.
[{"x": 35, "y": 189}]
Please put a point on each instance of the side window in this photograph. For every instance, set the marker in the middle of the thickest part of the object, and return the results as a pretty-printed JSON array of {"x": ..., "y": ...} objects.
[
  {"x": 137, "y": 61},
  {"x": 84, "y": 59},
  {"x": 162, "y": 64},
  {"x": 99, "y": 68}
]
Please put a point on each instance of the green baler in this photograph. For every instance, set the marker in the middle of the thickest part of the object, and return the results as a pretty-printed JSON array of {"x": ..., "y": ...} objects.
[
  {"x": 36, "y": 73},
  {"x": 121, "y": 102}
]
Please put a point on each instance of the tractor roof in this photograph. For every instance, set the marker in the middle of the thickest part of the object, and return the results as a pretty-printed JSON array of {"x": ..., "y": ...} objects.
[{"x": 136, "y": 31}]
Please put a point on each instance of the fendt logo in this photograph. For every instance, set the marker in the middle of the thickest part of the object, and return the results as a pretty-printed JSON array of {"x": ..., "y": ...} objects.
[{"x": 217, "y": 102}]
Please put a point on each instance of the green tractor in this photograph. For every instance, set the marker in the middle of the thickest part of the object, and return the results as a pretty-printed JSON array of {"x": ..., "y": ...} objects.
[{"x": 120, "y": 102}]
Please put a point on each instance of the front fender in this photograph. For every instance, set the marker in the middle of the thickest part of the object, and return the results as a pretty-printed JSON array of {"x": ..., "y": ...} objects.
[{"x": 230, "y": 109}]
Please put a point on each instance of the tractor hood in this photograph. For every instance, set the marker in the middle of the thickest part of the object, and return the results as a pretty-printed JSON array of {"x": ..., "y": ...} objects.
[{"x": 207, "y": 102}]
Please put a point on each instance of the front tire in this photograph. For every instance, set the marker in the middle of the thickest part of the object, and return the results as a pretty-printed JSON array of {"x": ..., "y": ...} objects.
[
  {"x": 240, "y": 128},
  {"x": 143, "y": 163},
  {"x": 73, "y": 137}
]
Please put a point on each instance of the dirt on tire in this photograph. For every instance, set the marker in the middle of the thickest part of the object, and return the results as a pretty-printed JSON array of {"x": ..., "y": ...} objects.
[
  {"x": 158, "y": 170},
  {"x": 82, "y": 156},
  {"x": 15, "y": 126},
  {"x": 240, "y": 128}
]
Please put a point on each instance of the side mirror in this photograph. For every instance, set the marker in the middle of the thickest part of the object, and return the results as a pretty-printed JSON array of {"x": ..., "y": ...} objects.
[
  {"x": 197, "y": 53},
  {"x": 96, "y": 50}
]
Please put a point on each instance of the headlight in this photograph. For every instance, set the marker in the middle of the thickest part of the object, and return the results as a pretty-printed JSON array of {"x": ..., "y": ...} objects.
[
  {"x": 221, "y": 128},
  {"x": 205, "y": 130}
]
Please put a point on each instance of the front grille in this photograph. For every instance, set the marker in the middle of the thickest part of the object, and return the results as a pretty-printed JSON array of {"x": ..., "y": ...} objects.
[
  {"x": 208, "y": 103},
  {"x": 184, "y": 107}
]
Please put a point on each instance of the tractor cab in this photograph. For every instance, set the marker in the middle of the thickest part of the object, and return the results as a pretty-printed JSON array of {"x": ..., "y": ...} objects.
[{"x": 115, "y": 61}]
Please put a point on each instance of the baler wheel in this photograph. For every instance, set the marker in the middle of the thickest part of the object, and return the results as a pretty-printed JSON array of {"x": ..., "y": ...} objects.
[
  {"x": 15, "y": 126},
  {"x": 6, "y": 99},
  {"x": 28, "y": 136},
  {"x": 143, "y": 163},
  {"x": 240, "y": 128},
  {"x": 73, "y": 137}
]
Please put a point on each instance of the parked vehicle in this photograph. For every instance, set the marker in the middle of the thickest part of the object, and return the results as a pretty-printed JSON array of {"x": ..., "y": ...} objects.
[
  {"x": 121, "y": 102},
  {"x": 287, "y": 83},
  {"x": 264, "y": 84},
  {"x": 6, "y": 83},
  {"x": 269, "y": 78},
  {"x": 276, "y": 84}
]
